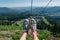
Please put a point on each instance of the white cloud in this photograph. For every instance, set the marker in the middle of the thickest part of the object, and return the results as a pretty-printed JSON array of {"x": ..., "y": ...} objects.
[
  {"x": 45, "y": 3},
  {"x": 29, "y": 4},
  {"x": 15, "y": 5},
  {"x": 54, "y": 4}
]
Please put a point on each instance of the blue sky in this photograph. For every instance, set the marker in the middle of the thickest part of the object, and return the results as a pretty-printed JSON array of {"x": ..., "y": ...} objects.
[{"x": 26, "y": 3}]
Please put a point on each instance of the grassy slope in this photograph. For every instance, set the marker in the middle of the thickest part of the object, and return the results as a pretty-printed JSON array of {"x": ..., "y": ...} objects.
[{"x": 16, "y": 31}]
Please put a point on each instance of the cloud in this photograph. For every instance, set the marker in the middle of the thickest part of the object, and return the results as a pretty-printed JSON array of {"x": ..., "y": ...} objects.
[
  {"x": 36, "y": 4},
  {"x": 15, "y": 5},
  {"x": 45, "y": 3}
]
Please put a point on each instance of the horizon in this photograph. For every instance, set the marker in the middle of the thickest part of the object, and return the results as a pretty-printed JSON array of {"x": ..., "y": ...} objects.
[
  {"x": 27, "y": 7},
  {"x": 27, "y": 3}
]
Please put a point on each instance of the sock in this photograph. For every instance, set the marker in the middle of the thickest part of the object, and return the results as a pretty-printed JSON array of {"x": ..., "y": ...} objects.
[
  {"x": 26, "y": 32},
  {"x": 33, "y": 32}
]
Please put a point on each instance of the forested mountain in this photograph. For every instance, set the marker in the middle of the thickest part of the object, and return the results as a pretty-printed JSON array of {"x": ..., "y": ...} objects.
[
  {"x": 24, "y": 12},
  {"x": 36, "y": 10}
]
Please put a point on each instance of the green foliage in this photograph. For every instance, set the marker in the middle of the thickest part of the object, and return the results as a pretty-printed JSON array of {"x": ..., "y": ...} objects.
[
  {"x": 16, "y": 37},
  {"x": 44, "y": 31},
  {"x": 6, "y": 22},
  {"x": 43, "y": 34},
  {"x": 6, "y": 35}
]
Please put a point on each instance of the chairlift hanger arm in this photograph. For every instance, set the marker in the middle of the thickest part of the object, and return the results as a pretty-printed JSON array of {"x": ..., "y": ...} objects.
[{"x": 31, "y": 5}]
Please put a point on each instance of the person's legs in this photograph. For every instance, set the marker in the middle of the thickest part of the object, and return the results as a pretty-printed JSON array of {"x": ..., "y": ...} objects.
[
  {"x": 34, "y": 29},
  {"x": 34, "y": 35},
  {"x": 24, "y": 36},
  {"x": 25, "y": 24}
]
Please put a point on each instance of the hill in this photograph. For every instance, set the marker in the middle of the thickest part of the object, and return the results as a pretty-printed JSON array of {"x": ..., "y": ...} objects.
[{"x": 25, "y": 12}]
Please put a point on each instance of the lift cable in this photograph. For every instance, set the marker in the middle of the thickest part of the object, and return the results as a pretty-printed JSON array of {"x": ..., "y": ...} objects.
[
  {"x": 46, "y": 6},
  {"x": 42, "y": 9}
]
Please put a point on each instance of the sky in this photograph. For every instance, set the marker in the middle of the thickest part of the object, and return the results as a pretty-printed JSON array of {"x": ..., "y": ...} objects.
[{"x": 27, "y": 3}]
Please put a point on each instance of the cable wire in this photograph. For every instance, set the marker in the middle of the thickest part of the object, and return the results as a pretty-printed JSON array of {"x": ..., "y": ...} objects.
[
  {"x": 46, "y": 6},
  {"x": 43, "y": 8}
]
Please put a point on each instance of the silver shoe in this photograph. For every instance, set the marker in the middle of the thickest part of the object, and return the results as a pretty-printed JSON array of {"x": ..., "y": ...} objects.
[
  {"x": 33, "y": 24},
  {"x": 25, "y": 25}
]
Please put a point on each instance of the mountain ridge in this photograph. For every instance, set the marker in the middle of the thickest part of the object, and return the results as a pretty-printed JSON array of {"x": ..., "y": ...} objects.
[{"x": 36, "y": 10}]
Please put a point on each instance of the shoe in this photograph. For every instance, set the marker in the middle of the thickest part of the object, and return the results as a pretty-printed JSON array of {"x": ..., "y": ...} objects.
[
  {"x": 25, "y": 25},
  {"x": 33, "y": 24}
]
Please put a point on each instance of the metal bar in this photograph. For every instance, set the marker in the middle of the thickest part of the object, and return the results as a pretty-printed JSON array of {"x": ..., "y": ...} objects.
[{"x": 31, "y": 6}]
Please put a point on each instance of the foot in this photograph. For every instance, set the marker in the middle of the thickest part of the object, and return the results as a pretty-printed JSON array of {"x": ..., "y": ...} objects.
[
  {"x": 25, "y": 25},
  {"x": 33, "y": 26}
]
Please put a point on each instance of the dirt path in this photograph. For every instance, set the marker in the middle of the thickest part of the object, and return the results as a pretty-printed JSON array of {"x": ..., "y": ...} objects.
[{"x": 5, "y": 38}]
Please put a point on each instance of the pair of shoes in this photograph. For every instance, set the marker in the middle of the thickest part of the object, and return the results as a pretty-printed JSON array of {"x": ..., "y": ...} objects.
[{"x": 32, "y": 24}]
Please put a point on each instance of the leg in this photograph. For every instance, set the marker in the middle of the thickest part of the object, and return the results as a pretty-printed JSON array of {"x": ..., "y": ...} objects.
[
  {"x": 25, "y": 24},
  {"x": 24, "y": 36},
  {"x": 34, "y": 29},
  {"x": 34, "y": 35}
]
